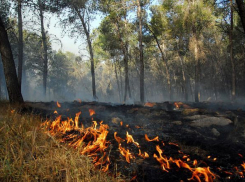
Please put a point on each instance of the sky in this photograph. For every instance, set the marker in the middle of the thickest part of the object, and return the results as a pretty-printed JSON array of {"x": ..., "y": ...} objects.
[{"x": 68, "y": 43}]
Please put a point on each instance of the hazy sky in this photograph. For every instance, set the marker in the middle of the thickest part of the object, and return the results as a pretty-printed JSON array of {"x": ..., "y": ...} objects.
[{"x": 68, "y": 43}]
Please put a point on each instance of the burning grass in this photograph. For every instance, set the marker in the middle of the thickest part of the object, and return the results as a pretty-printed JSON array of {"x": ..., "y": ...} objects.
[{"x": 29, "y": 154}]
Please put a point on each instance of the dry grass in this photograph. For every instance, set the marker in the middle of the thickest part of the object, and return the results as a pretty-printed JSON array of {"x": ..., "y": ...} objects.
[{"x": 28, "y": 154}]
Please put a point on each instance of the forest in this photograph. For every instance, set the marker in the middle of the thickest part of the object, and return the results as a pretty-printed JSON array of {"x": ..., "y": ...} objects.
[
  {"x": 156, "y": 90},
  {"x": 142, "y": 50}
]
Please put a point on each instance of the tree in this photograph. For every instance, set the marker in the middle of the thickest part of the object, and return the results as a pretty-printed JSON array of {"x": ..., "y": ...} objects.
[
  {"x": 156, "y": 28},
  {"x": 241, "y": 11},
  {"x": 45, "y": 47},
  {"x": 82, "y": 12},
  {"x": 13, "y": 87},
  {"x": 20, "y": 42},
  {"x": 142, "y": 66}
]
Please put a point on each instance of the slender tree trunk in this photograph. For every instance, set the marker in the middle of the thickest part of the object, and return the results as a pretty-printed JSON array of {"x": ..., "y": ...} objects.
[
  {"x": 197, "y": 68},
  {"x": 124, "y": 47},
  {"x": 91, "y": 53},
  {"x": 166, "y": 65},
  {"x": 45, "y": 48},
  {"x": 9, "y": 67},
  {"x": 20, "y": 43},
  {"x": 142, "y": 66},
  {"x": 118, "y": 85},
  {"x": 233, "y": 74},
  {"x": 241, "y": 11},
  {"x": 185, "y": 85},
  {"x": 0, "y": 87}
]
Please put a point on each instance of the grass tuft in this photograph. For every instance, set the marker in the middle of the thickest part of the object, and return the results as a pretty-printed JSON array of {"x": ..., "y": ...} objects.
[{"x": 29, "y": 154}]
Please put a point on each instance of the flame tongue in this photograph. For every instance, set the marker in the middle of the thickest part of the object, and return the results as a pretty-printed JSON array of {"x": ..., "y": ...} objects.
[
  {"x": 58, "y": 104},
  {"x": 125, "y": 153},
  {"x": 197, "y": 173},
  {"x": 130, "y": 139},
  {"x": 154, "y": 139}
]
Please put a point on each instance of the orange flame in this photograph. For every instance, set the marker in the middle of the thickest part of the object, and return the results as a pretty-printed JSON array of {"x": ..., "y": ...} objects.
[
  {"x": 76, "y": 119},
  {"x": 121, "y": 123},
  {"x": 58, "y": 104},
  {"x": 144, "y": 155},
  {"x": 197, "y": 173},
  {"x": 133, "y": 178},
  {"x": 130, "y": 139},
  {"x": 149, "y": 104},
  {"x": 202, "y": 171},
  {"x": 91, "y": 112},
  {"x": 136, "y": 126},
  {"x": 55, "y": 112},
  {"x": 176, "y": 105},
  {"x": 154, "y": 139},
  {"x": 93, "y": 148},
  {"x": 118, "y": 139},
  {"x": 125, "y": 153},
  {"x": 171, "y": 143},
  {"x": 195, "y": 162},
  {"x": 243, "y": 165}
]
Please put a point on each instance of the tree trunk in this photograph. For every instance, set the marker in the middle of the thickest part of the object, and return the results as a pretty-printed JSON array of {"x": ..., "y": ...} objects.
[
  {"x": 9, "y": 67},
  {"x": 166, "y": 65},
  {"x": 20, "y": 43},
  {"x": 233, "y": 74},
  {"x": 142, "y": 66},
  {"x": 241, "y": 12},
  {"x": 124, "y": 47},
  {"x": 197, "y": 67},
  {"x": 45, "y": 48},
  {"x": 85, "y": 28},
  {"x": 0, "y": 86},
  {"x": 118, "y": 85}
]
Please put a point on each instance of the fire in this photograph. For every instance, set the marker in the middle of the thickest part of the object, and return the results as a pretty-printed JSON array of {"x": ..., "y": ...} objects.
[
  {"x": 118, "y": 139},
  {"x": 93, "y": 142},
  {"x": 204, "y": 172},
  {"x": 154, "y": 139},
  {"x": 136, "y": 126},
  {"x": 55, "y": 112},
  {"x": 149, "y": 104},
  {"x": 197, "y": 173},
  {"x": 130, "y": 139},
  {"x": 95, "y": 147},
  {"x": 171, "y": 143},
  {"x": 58, "y": 104},
  {"x": 91, "y": 112},
  {"x": 243, "y": 165},
  {"x": 194, "y": 162},
  {"x": 125, "y": 153},
  {"x": 144, "y": 155},
  {"x": 76, "y": 119},
  {"x": 176, "y": 105}
]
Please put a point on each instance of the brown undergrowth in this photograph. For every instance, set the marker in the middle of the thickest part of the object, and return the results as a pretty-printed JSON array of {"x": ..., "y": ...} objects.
[{"x": 29, "y": 154}]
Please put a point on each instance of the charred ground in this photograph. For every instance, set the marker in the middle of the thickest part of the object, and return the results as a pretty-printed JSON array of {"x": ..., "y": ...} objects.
[{"x": 189, "y": 130}]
